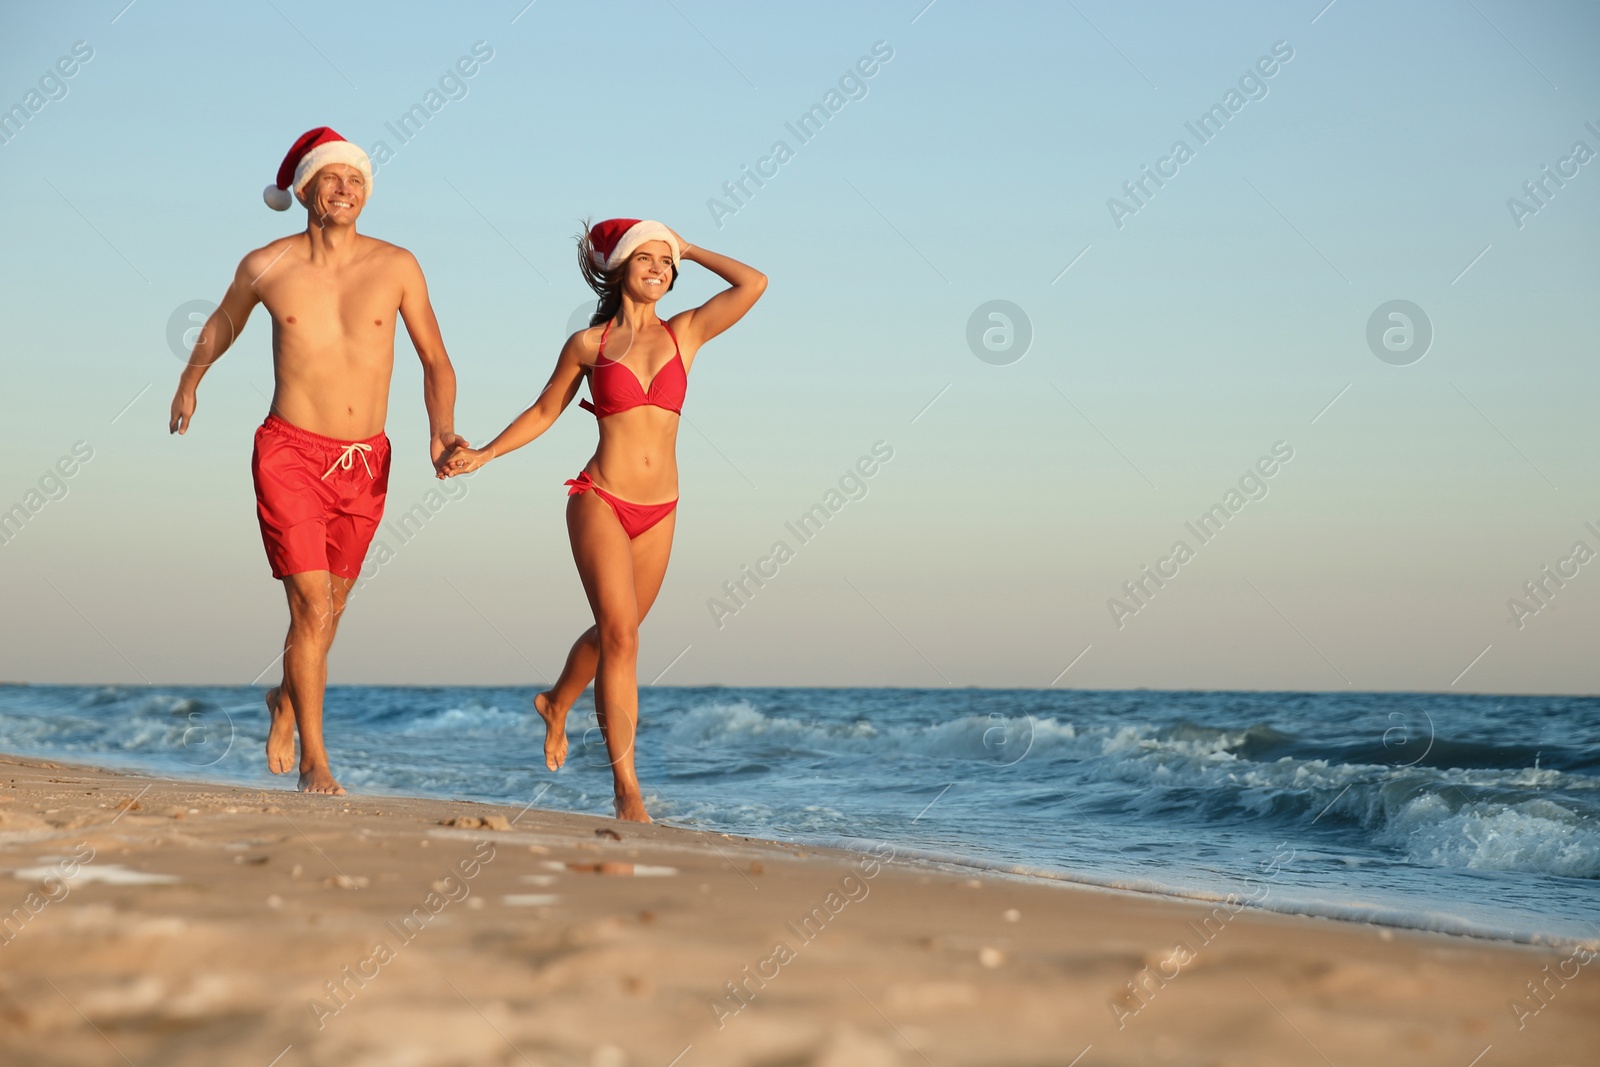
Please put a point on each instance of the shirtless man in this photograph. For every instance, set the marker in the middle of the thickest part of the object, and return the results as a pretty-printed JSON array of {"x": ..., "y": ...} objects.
[{"x": 321, "y": 462}]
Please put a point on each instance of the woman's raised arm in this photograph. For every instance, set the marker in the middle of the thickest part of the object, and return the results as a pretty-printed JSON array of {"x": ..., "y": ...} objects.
[{"x": 745, "y": 286}]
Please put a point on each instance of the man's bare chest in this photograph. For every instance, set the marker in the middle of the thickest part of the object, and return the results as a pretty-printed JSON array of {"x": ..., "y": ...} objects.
[{"x": 351, "y": 304}]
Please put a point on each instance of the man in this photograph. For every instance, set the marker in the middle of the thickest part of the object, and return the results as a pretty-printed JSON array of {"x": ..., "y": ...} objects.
[{"x": 321, "y": 462}]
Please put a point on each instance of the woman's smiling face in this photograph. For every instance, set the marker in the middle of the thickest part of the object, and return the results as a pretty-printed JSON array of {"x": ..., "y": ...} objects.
[{"x": 649, "y": 273}]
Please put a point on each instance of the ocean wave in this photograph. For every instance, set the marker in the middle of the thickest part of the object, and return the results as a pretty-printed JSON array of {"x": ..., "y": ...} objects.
[
  {"x": 1530, "y": 819},
  {"x": 1532, "y": 834},
  {"x": 1486, "y": 817},
  {"x": 469, "y": 719},
  {"x": 991, "y": 738}
]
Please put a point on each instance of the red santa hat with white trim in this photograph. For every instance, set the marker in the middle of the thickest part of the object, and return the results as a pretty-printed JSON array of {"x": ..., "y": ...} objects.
[
  {"x": 611, "y": 242},
  {"x": 313, "y": 150}
]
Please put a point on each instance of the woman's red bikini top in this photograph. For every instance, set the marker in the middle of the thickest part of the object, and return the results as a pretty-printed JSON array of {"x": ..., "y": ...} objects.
[{"x": 616, "y": 388}]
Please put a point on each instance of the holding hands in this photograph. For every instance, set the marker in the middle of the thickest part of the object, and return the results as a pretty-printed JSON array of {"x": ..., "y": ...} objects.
[
  {"x": 463, "y": 460},
  {"x": 443, "y": 447}
]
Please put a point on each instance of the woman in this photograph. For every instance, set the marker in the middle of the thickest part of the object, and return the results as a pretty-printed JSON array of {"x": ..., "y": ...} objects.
[{"x": 621, "y": 508}]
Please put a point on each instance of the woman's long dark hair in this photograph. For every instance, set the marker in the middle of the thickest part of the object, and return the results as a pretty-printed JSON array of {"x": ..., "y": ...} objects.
[{"x": 607, "y": 284}]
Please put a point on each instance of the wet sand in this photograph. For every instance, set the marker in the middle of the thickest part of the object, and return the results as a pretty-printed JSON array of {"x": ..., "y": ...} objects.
[{"x": 152, "y": 921}]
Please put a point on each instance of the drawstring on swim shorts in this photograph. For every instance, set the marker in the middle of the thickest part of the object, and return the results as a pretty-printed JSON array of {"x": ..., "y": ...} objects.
[{"x": 346, "y": 460}]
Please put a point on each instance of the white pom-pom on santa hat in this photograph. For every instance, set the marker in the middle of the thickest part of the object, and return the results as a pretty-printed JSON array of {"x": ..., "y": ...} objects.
[
  {"x": 277, "y": 199},
  {"x": 312, "y": 151}
]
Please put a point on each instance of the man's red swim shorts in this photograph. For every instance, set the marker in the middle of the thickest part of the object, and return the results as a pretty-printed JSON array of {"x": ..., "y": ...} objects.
[{"x": 319, "y": 500}]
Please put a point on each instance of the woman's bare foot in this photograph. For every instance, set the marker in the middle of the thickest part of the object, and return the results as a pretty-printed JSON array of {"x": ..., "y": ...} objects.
[
  {"x": 555, "y": 731},
  {"x": 320, "y": 780},
  {"x": 280, "y": 737},
  {"x": 631, "y": 808}
]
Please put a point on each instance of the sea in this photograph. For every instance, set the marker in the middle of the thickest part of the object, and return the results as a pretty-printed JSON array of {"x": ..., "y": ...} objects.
[{"x": 1465, "y": 814}]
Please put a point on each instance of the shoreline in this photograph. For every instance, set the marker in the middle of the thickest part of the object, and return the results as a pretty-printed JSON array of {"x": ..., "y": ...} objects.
[
  {"x": 180, "y": 920},
  {"x": 1387, "y": 916},
  {"x": 1373, "y": 915}
]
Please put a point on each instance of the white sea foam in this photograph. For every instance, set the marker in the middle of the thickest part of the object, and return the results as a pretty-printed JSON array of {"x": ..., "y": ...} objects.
[{"x": 1531, "y": 835}]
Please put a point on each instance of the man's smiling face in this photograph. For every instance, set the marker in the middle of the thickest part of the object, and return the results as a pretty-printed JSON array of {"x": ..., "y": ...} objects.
[{"x": 336, "y": 194}]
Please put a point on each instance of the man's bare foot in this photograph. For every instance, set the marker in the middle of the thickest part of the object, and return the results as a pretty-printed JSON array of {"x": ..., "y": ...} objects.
[
  {"x": 320, "y": 780},
  {"x": 280, "y": 737},
  {"x": 631, "y": 809},
  {"x": 555, "y": 731}
]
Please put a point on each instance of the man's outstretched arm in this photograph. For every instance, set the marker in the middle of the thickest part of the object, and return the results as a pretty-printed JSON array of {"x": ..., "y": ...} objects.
[
  {"x": 215, "y": 338},
  {"x": 438, "y": 376}
]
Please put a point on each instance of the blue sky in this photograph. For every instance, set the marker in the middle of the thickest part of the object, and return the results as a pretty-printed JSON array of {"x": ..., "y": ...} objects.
[{"x": 1169, "y": 354}]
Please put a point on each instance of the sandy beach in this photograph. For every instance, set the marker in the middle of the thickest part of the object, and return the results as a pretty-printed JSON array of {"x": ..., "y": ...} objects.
[{"x": 147, "y": 920}]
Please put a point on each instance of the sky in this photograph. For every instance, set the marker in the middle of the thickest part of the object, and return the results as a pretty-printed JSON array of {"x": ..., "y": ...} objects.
[{"x": 992, "y": 264}]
